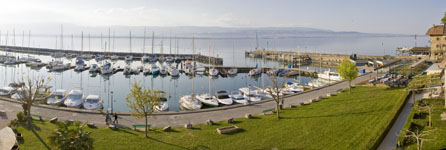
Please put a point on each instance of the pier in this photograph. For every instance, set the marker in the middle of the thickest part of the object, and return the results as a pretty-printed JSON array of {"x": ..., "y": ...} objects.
[
  {"x": 303, "y": 72},
  {"x": 136, "y": 56}
]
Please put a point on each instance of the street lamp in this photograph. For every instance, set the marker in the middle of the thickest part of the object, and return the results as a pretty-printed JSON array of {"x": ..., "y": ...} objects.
[{"x": 111, "y": 101}]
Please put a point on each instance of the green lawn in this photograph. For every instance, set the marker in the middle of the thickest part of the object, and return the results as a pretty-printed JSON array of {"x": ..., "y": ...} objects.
[
  {"x": 419, "y": 120},
  {"x": 345, "y": 121}
]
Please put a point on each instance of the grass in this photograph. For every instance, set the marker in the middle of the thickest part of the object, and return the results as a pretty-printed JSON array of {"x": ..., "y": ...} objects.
[
  {"x": 345, "y": 121},
  {"x": 419, "y": 120}
]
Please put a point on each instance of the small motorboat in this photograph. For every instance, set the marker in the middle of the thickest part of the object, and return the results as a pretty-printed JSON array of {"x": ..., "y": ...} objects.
[
  {"x": 114, "y": 57},
  {"x": 145, "y": 59},
  {"x": 238, "y": 97},
  {"x": 99, "y": 57},
  {"x": 127, "y": 70},
  {"x": 207, "y": 100},
  {"x": 94, "y": 68},
  {"x": 273, "y": 71},
  {"x": 223, "y": 97},
  {"x": 153, "y": 59},
  {"x": 189, "y": 102},
  {"x": 7, "y": 91},
  {"x": 75, "y": 98},
  {"x": 169, "y": 59},
  {"x": 178, "y": 59},
  {"x": 57, "y": 97},
  {"x": 80, "y": 65},
  {"x": 146, "y": 71},
  {"x": 93, "y": 102},
  {"x": 328, "y": 75}
]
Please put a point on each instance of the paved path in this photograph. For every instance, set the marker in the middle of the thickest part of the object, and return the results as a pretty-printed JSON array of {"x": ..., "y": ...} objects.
[
  {"x": 174, "y": 119},
  {"x": 389, "y": 142}
]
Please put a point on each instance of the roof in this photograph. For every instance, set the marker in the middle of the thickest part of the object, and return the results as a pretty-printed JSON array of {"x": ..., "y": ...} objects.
[
  {"x": 436, "y": 30},
  {"x": 420, "y": 49},
  {"x": 434, "y": 68}
]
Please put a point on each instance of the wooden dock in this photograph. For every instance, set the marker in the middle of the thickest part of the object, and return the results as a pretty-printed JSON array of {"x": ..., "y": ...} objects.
[{"x": 136, "y": 56}]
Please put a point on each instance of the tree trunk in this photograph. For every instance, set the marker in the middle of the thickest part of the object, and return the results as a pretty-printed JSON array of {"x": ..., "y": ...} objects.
[
  {"x": 349, "y": 87},
  {"x": 28, "y": 116},
  {"x": 430, "y": 117},
  {"x": 278, "y": 110},
  {"x": 146, "y": 125}
]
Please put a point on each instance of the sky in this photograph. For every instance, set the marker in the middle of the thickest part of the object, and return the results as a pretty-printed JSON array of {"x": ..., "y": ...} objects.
[{"x": 371, "y": 16}]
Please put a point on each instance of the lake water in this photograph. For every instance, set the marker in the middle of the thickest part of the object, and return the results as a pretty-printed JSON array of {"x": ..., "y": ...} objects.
[{"x": 231, "y": 50}]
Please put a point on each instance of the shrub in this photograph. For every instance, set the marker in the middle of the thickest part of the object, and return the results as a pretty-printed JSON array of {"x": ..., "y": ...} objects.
[{"x": 21, "y": 117}]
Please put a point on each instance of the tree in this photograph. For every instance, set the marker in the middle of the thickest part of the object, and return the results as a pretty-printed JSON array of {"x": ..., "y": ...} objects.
[
  {"x": 427, "y": 108},
  {"x": 443, "y": 20},
  {"x": 29, "y": 91},
  {"x": 348, "y": 71},
  {"x": 68, "y": 137},
  {"x": 143, "y": 103},
  {"x": 276, "y": 91},
  {"x": 419, "y": 137}
]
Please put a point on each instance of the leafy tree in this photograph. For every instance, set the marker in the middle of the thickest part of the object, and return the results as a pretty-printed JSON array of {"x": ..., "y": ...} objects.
[
  {"x": 30, "y": 91},
  {"x": 68, "y": 137},
  {"x": 348, "y": 71},
  {"x": 443, "y": 20},
  {"x": 143, "y": 102},
  {"x": 276, "y": 91}
]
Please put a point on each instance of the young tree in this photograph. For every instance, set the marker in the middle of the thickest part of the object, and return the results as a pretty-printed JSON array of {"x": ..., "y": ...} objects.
[
  {"x": 427, "y": 108},
  {"x": 419, "y": 137},
  {"x": 143, "y": 102},
  {"x": 68, "y": 137},
  {"x": 29, "y": 91},
  {"x": 276, "y": 91},
  {"x": 348, "y": 71}
]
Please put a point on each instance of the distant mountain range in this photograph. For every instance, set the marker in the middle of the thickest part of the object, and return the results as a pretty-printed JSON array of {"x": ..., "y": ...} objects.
[{"x": 188, "y": 31}]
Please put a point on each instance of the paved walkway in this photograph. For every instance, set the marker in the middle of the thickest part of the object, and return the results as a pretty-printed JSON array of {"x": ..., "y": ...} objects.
[
  {"x": 173, "y": 119},
  {"x": 389, "y": 142}
]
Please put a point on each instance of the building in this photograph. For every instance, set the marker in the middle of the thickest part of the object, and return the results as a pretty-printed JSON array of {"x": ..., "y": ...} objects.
[
  {"x": 414, "y": 51},
  {"x": 437, "y": 40}
]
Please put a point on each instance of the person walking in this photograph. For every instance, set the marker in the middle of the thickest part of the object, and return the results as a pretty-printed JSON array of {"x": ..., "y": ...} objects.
[
  {"x": 116, "y": 118},
  {"x": 107, "y": 118}
]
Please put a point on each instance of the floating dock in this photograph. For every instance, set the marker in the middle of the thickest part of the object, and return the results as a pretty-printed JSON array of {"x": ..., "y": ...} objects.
[{"x": 136, "y": 56}]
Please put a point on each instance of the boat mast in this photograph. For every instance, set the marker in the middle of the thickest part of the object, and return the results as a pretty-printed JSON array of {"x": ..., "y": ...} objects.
[
  {"x": 109, "y": 43},
  {"x": 298, "y": 58},
  {"x": 144, "y": 43},
  {"x": 193, "y": 71},
  {"x": 82, "y": 41},
  {"x": 130, "y": 41},
  {"x": 61, "y": 37},
  {"x": 209, "y": 69},
  {"x": 170, "y": 45},
  {"x": 153, "y": 40}
]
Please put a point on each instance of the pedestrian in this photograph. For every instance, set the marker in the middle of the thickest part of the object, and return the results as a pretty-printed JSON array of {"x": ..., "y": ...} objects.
[
  {"x": 107, "y": 118},
  {"x": 116, "y": 118}
]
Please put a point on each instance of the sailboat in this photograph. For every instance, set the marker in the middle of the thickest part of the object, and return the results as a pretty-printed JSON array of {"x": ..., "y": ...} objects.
[
  {"x": 155, "y": 69},
  {"x": 114, "y": 56},
  {"x": 153, "y": 59},
  {"x": 145, "y": 58},
  {"x": 256, "y": 71},
  {"x": 207, "y": 99},
  {"x": 164, "y": 106},
  {"x": 190, "y": 102},
  {"x": 212, "y": 71},
  {"x": 169, "y": 58},
  {"x": 100, "y": 57},
  {"x": 106, "y": 68},
  {"x": 190, "y": 68},
  {"x": 129, "y": 57},
  {"x": 163, "y": 68},
  {"x": 233, "y": 71}
]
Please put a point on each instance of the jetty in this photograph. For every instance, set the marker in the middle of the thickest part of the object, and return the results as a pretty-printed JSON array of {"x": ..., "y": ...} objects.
[
  {"x": 303, "y": 72},
  {"x": 136, "y": 56}
]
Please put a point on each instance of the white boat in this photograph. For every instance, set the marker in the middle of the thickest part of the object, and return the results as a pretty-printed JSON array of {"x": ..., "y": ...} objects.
[
  {"x": 232, "y": 71},
  {"x": 189, "y": 69},
  {"x": 174, "y": 72},
  {"x": 189, "y": 102},
  {"x": 57, "y": 97},
  {"x": 58, "y": 54},
  {"x": 164, "y": 106},
  {"x": 223, "y": 97},
  {"x": 11, "y": 61},
  {"x": 146, "y": 71},
  {"x": 75, "y": 98},
  {"x": 213, "y": 72},
  {"x": 85, "y": 56},
  {"x": 169, "y": 59},
  {"x": 293, "y": 87},
  {"x": 114, "y": 57},
  {"x": 128, "y": 58},
  {"x": 135, "y": 71},
  {"x": 328, "y": 75},
  {"x": 207, "y": 100},
  {"x": 163, "y": 70},
  {"x": 18, "y": 95},
  {"x": 93, "y": 68},
  {"x": 255, "y": 72},
  {"x": 6, "y": 91},
  {"x": 106, "y": 69},
  {"x": 238, "y": 97},
  {"x": 99, "y": 57},
  {"x": 93, "y": 102},
  {"x": 250, "y": 94},
  {"x": 58, "y": 67},
  {"x": 153, "y": 59},
  {"x": 162, "y": 58},
  {"x": 127, "y": 70},
  {"x": 145, "y": 58}
]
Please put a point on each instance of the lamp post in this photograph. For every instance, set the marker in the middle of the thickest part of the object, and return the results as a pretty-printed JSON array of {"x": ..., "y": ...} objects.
[{"x": 111, "y": 101}]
